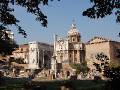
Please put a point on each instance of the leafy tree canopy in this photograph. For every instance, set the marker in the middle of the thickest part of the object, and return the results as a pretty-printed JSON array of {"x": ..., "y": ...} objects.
[
  {"x": 102, "y": 8},
  {"x": 7, "y": 18},
  {"x": 82, "y": 67},
  {"x": 31, "y": 6},
  {"x": 7, "y": 45},
  {"x": 114, "y": 64}
]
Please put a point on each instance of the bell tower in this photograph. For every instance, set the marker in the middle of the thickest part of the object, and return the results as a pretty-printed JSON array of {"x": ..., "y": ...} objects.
[{"x": 73, "y": 34}]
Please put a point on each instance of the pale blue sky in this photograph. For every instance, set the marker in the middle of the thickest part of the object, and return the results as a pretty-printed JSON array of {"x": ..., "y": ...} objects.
[{"x": 60, "y": 16}]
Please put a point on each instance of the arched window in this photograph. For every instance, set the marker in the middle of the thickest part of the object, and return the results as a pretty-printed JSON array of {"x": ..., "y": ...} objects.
[{"x": 73, "y": 39}]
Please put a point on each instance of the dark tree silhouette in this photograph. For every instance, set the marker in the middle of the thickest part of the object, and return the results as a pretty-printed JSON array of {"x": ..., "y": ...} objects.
[
  {"x": 7, "y": 18},
  {"x": 102, "y": 8},
  {"x": 31, "y": 6},
  {"x": 110, "y": 72},
  {"x": 7, "y": 45},
  {"x": 82, "y": 67},
  {"x": 114, "y": 75},
  {"x": 103, "y": 59}
]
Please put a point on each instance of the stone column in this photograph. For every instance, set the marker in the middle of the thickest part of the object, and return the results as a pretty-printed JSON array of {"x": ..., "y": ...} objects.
[
  {"x": 73, "y": 56},
  {"x": 78, "y": 56}
]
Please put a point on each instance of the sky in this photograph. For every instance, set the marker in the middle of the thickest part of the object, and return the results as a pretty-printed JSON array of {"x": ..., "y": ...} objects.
[{"x": 60, "y": 17}]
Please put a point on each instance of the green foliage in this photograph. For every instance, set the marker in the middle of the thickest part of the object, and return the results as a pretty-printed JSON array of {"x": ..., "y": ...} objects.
[
  {"x": 80, "y": 67},
  {"x": 76, "y": 67},
  {"x": 103, "y": 61},
  {"x": 6, "y": 48},
  {"x": 102, "y": 8},
  {"x": 6, "y": 44},
  {"x": 31, "y": 6},
  {"x": 1, "y": 74},
  {"x": 101, "y": 57},
  {"x": 114, "y": 64},
  {"x": 97, "y": 67},
  {"x": 7, "y": 18},
  {"x": 112, "y": 73}
]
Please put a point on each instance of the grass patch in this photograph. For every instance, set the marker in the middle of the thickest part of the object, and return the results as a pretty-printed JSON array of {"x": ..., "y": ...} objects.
[
  {"x": 75, "y": 84},
  {"x": 18, "y": 84}
]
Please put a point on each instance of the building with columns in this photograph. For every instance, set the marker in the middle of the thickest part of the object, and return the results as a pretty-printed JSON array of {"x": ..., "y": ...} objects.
[
  {"x": 36, "y": 55},
  {"x": 68, "y": 50},
  {"x": 71, "y": 50},
  {"x": 39, "y": 55}
]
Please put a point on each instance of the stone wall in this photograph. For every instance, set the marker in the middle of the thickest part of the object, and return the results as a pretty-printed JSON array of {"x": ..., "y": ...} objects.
[
  {"x": 93, "y": 49},
  {"x": 114, "y": 49},
  {"x": 39, "y": 55}
]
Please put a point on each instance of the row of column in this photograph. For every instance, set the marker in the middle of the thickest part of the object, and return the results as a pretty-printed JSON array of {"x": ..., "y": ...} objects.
[{"x": 76, "y": 56}]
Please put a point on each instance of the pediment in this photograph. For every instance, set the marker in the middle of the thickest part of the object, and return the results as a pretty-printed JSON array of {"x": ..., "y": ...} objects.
[{"x": 97, "y": 40}]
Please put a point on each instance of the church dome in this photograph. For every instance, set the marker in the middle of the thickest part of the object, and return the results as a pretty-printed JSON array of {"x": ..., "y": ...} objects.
[{"x": 73, "y": 30}]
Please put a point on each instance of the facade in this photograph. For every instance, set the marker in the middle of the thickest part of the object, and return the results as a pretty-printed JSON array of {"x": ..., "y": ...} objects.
[
  {"x": 101, "y": 45},
  {"x": 36, "y": 55},
  {"x": 71, "y": 50},
  {"x": 39, "y": 55},
  {"x": 68, "y": 51}
]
